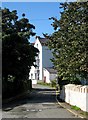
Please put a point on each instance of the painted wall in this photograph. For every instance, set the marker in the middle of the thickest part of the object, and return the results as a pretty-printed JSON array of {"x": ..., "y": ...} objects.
[
  {"x": 39, "y": 46},
  {"x": 32, "y": 73},
  {"x": 75, "y": 95},
  {"x": 47, "y": 75},
  {"x": 44, "y": 56},
  {"x": 33, "y": 69}
]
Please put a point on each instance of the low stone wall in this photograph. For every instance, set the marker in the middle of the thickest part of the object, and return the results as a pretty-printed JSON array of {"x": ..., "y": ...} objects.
[{"x": 75, "y": 95}]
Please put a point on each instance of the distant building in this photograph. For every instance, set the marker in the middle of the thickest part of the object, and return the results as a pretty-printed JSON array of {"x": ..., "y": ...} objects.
[
  {"x": 49, "y": 74},
  {"x": 43, "y": 59}
]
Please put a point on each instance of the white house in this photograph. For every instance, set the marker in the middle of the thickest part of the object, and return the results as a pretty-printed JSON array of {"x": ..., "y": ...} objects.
[
  {"x": 49, "y": 74},
  {"x": 43, "y": 59}
]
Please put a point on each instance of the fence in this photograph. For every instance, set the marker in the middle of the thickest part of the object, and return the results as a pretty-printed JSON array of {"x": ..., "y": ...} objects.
[{"x": 75, "y": 95}]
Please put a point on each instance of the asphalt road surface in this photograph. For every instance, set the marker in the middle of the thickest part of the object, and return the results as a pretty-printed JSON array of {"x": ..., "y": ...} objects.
[{"x": 41, "y": 103}]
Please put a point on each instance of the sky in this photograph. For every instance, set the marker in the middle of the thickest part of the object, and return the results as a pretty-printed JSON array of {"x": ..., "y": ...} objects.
[{"x": 38, "y": 14}]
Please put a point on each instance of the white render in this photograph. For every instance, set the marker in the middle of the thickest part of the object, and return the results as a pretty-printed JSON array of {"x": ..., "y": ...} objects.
[
  {"x": 43, "y": 60},
  {"x": 48, "y": 76},
  {"x": 76, "y": 95}
]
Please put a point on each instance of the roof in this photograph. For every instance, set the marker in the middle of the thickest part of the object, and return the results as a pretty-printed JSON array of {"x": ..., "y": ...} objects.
[
  {"x": 43, "y": 41},
  {"x": 32, "y": 44},
  {"x": 51, "y": 70}
]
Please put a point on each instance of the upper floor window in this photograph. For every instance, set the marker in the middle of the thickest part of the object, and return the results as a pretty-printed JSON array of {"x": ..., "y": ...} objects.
[
  {"x": 37, "y": 45},
  {"x": 38, "y": 62}
]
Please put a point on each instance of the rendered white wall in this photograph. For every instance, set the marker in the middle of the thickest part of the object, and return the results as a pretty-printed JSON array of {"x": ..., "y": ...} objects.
[
  {"x": 46, "y": 74},
  {"x": 44, "y": 55},
  {"x": 75, "y": 95},
  {"x": 32, "y": 71},
  {"x": 37, "y": 42},
  {"x": 49, "y": 77}
]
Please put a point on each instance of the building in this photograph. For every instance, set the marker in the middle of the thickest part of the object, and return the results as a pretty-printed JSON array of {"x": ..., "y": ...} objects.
[
  {"x": 42, "y": 60},
  {"x": 49, "y": 74}
]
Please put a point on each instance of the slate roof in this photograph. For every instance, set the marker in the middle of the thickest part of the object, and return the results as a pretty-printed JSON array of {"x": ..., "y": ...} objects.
[
  {"x": 32, "y": 44},
  {"x": 51, "y": 70},
  {"x": 43, "y": 41}
]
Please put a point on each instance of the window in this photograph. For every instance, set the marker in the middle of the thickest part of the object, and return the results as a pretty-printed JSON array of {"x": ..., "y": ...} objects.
[
  {"x": 31, "y": 76},
  {"x": 35, "y": 75},
  {"x": 38, "y": 62},
  {"x": 37, "y": 45},
  {"x": 38, "y": 72}
]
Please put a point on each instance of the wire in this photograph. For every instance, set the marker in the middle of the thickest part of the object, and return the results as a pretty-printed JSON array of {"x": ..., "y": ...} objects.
[{"x": 38, "y": 19}]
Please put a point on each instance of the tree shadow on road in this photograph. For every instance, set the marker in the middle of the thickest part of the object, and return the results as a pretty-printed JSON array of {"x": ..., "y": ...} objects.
[{"x": 38, "y": 95}]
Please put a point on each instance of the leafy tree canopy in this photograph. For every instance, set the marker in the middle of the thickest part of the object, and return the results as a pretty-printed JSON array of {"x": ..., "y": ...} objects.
[
  {"x": 17, "y": 53},
  {"x": 70, "y": 41}
]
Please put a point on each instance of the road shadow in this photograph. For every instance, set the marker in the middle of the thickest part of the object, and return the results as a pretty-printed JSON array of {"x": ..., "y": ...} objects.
[
  {"x": 38, "y": 95},
  {"x": 59, "y": 99},
  {"x": 44, "y": 89}
]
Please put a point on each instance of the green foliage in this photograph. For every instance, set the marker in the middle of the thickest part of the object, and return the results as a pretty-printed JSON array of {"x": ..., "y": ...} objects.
[
  {"x": 10, "y": 90},
  {"x": 17, "y": 53},
  {"x": 69, "y": 42},
  {"x": 75, "y": 108},
  {"x": 43, "y": 83},
  {"x": 53, "y": 83}
]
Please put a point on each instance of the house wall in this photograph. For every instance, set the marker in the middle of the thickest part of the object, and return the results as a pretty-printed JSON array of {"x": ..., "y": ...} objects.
[
  {"x": 33, "y": 69},
  {"x": 53, "y": 76},
  {"x": 39, "y": 46},
  {"x": 47, "y": 75},
  {"x": 76, "y": 95},
  {"x": 32, "y": 72},
  {"x": 44, "y": 56}
]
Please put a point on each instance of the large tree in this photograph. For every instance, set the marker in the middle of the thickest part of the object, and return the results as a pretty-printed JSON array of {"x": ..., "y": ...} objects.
[
  {"x": 18, "y": 54},
  {"x": 70, "y": 41}
]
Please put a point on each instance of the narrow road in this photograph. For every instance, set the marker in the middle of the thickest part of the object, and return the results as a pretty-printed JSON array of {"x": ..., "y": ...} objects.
[{"x": 41, "y": 103}]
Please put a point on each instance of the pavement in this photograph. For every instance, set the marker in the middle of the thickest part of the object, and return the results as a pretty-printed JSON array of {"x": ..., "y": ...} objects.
[
  {"x": 78, "y": 113},
  {"x": 67, "y": 106}
]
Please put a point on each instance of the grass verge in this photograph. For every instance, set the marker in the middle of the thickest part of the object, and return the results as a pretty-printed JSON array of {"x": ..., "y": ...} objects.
[
  {"x": 84, "y": 113},
  {"x": 42, "y": 83},
  {"x": 75, "y": 108}
]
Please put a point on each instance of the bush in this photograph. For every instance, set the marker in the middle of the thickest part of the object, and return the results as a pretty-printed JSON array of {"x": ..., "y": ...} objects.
[
  {"x": 53, "y": 83},
  {"x": 10, "y": 89}
]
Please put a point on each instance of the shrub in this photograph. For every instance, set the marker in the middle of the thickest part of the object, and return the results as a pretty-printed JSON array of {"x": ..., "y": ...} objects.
[{"x": 53, "y": 83}]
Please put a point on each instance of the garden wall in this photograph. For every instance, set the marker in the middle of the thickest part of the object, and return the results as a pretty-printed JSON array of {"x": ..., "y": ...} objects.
[{"x": 76, "y": 95}]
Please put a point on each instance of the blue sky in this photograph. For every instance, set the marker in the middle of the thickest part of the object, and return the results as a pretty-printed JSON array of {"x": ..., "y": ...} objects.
[{"x": 38, "y": 14}]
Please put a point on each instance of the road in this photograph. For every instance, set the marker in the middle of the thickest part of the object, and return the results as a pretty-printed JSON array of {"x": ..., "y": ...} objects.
[{"x": 41, "y": 103}]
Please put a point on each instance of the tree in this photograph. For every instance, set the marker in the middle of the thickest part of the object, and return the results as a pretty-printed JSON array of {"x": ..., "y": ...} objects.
[
  {"x": 69, "y": 41},
  {"x": 17, "y": 53}
]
